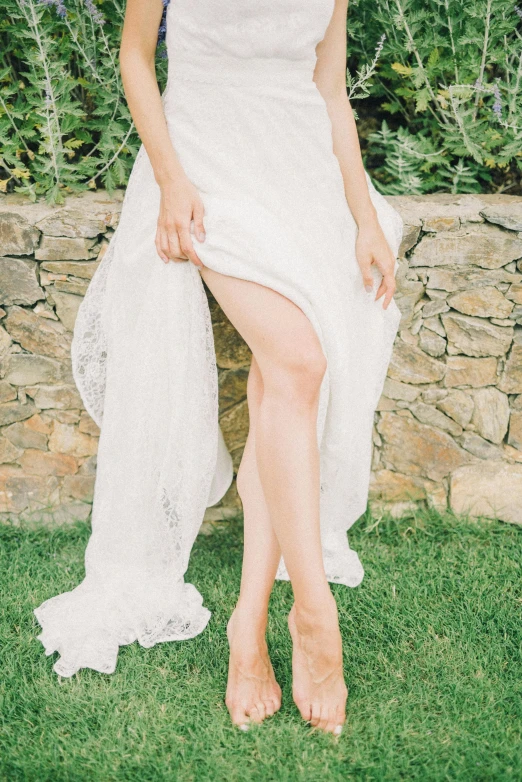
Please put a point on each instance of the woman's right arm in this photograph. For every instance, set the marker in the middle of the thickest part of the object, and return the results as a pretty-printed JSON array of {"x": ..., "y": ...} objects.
[{"x": 180, "y": 200}]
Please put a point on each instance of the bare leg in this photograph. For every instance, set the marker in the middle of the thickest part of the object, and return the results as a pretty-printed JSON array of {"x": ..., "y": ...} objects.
[
  {"x": 252, "y": 691},
  {"x": 292, "y": 366}
]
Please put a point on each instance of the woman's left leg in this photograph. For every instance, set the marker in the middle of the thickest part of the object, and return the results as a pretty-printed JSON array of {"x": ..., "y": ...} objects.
[{"x": 252, "y": 691}]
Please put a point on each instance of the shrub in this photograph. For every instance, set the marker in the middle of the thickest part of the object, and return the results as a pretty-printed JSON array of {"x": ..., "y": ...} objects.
[
  {"x": 447, "y": 90},
  {"x": 64, "y": 122}
]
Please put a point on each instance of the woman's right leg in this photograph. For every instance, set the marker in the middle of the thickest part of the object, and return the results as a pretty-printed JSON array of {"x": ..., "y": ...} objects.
[{"x": 292, "y": 365}]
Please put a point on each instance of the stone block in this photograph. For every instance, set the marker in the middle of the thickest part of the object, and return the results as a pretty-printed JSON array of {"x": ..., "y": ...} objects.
[
  {"x": 486, "y": 302},
  {"x": 18, "y": 282},
  {"x": 67, "y": 438},
  {"x": 478, "y": 245},
  {"x": 83, "y": 269},
  {"x": 489, "y": 489},
  {"x": 232, "y": 387},
  {"x": 515, "y": 429},
  {"x": 394, "y": 389},
  {"x": 79, "y": 487},
  {"x": 475, "y": 336},
  {"x": 490, "y": 413},
  {"x": 36, "y": 462},
  {"x": 24, "y": 369},
  {"x": 409, "y": 364},
  {"x": 73, "y": 223},
  {"x": 234, "y": 425},
  {"x": 474, "y": 372},
  {"x": 38, "y": 335},
  {"x": 67, "y": 306},
  {"x": 431, "y": 343},
  {"x": 20, "y": 493},
  {"x": 64, "y": 397},
  {"x": 7, "y": 391},
  {"x": 10, "y": 412},
  {"x": 451, "y": 280},
  {"x": 8, "y": 451},
  {"x": 506, "y": 215},
  {"x": 54, "y": 248},
  {"x": 428, "y": 414},
  {"x": 87, "y": 425},
  {"x": 458, "y": 405},
  {"x": 17, "y": 235},
  {"x": 418, "y": 449},
  {"x": 22, "y": 436},
  {"x": 511, "y": 380}
]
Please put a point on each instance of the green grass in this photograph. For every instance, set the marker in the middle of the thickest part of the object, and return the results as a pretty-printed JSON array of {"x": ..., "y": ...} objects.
[{"x": 432, "y": 643}]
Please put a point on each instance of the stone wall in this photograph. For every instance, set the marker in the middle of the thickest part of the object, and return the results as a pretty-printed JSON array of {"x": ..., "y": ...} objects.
[{"x": 448, "y": 431}]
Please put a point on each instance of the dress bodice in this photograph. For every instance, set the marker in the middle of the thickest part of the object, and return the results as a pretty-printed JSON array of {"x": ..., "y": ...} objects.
[{"x": 221, "y": 33}]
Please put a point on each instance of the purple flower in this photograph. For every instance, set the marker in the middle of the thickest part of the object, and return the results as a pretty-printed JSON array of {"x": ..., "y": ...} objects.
[
  {"x": 162, "y": 30},
  {"x": 518, "y": 11},
  {"x": 95, "y": 13},
  {"x": 61, "y": 10}
]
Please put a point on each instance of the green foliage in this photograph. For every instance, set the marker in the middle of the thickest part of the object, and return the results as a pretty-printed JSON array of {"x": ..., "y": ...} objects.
[
  {"x": 442, "y": 81},
  {"x": 447, "y": 92},
  {"x": 64, "y": 122}
]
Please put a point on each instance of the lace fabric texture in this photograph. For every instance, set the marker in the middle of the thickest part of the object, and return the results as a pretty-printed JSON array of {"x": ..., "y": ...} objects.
[{"x": 254, "y": 136}]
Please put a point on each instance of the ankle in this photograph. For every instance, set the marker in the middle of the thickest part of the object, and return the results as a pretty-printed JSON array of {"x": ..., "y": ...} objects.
[
  {"x": 316, "y": 614},
  {"x": 250, "y": 618}
]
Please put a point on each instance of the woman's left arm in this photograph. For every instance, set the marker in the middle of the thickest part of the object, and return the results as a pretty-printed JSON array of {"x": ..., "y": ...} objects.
[{"x": 330, "y": 78}]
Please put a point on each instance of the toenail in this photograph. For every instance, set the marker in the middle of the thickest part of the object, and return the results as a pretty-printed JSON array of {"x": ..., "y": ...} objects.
[
  {"x": 244, "y": 727},
  {"x": 338, "y": 730}
]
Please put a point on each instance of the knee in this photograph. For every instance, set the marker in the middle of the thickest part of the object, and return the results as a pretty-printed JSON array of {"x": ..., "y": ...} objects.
[{"x": 298, "y": 378}]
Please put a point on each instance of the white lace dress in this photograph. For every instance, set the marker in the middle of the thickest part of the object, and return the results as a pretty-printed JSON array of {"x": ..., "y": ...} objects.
[{"x": 253, "y": 134}]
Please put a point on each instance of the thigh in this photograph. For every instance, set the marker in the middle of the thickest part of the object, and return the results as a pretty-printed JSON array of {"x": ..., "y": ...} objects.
[{"x": 276, "y": 330}]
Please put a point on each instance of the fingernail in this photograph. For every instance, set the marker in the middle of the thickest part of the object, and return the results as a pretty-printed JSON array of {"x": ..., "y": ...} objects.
[
  {"x": 368, "y": 288},
  {"x": 243, "y": 727},
  {"x": 338, "y": 730},
  {"x": 201, "y": 236}
]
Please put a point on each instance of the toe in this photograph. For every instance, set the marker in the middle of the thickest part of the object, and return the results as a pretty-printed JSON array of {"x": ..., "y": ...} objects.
[
  {"x": 316, "y": 715},
  {"x": 238, "y": 714},
  {"x": 270, "y": 708},
  {"x": 331, "y": 722},
  {"x": 258, "y": 712}
]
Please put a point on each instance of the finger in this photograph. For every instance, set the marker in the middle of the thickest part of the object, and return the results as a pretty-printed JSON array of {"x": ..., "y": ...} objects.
[
  {"x": 199, "y": 227},
  {"x": 175, "y": 253},
  {"x": 185, "y": 242},
  {"x": 390, "y": 289},
  {"x": 367, "y": 277},
  {"x": 160, "y": 242},
  {"x": 381, "y": 289}
]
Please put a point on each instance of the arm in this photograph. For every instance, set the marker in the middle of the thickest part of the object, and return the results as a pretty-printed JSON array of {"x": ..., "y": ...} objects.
[
  {"x": 330, "y": 78},
  {"x": 180, "y": 201}
]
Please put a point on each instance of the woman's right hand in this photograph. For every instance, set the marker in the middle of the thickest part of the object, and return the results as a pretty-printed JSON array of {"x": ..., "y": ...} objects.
[{"x": 180, "y": 204}]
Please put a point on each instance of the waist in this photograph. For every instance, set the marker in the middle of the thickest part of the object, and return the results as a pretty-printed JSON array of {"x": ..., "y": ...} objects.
[{"x": 251, "y": 71}]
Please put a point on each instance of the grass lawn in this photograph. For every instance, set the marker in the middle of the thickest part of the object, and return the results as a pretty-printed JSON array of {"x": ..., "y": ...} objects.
[{"x": 432, "y": 642}]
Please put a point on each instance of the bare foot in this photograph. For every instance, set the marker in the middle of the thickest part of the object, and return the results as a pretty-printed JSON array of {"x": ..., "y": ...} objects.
[
  {"x": 252, "y": 691},
  {"x": 317, "y": 663}
]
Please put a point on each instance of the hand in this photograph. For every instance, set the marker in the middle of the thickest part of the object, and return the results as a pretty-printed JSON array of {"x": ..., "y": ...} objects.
[
  {"x": 371, "y": 247},
  {"x": 180, "y": 204}
]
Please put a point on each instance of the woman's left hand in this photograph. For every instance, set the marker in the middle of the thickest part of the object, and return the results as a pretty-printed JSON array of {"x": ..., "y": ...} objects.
[{"x": 371, "y": 247}]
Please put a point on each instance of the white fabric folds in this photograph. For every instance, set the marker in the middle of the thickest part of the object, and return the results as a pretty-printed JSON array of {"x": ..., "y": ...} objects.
[{"x": 254, "y": 136}]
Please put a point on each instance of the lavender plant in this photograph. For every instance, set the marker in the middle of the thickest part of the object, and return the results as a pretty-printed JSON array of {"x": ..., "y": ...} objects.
[
  {"x": 447, "y": 91},
  {"x": 64, "y": 122}
]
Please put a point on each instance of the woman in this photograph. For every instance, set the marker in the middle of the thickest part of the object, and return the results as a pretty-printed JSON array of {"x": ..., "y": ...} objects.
[{"x": 250, "y": 178}]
